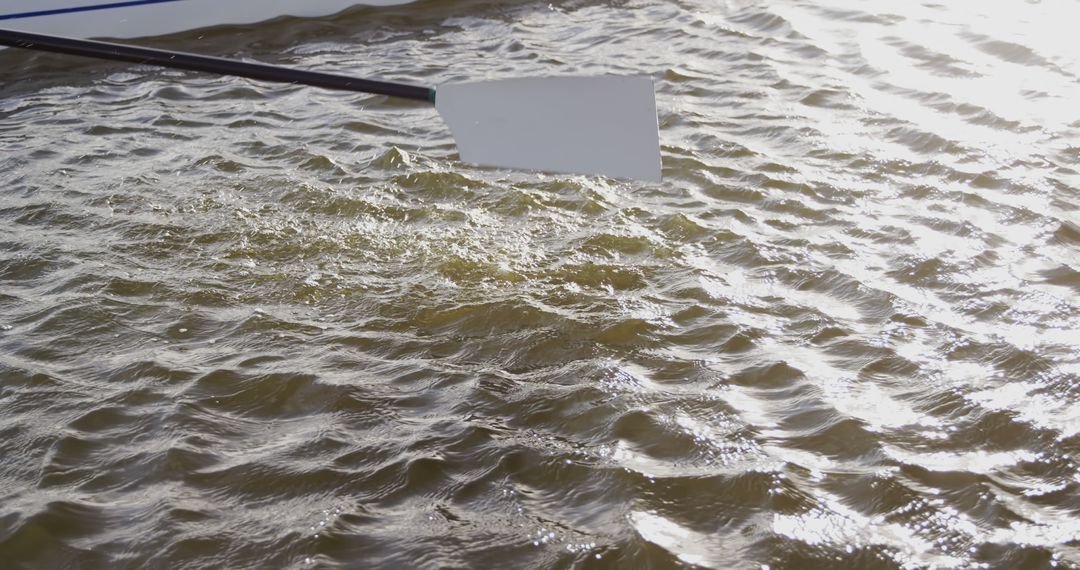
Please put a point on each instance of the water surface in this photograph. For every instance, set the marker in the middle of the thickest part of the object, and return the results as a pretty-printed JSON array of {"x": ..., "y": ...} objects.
[{"x": 246, "y": 325}]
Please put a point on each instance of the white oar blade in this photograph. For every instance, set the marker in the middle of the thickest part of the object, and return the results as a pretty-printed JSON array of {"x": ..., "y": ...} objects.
[{"x": 585, "y": 125}]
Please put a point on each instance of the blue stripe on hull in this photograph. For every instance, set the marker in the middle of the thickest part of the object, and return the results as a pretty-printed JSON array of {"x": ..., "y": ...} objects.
[{"x": 95, "y": 7}]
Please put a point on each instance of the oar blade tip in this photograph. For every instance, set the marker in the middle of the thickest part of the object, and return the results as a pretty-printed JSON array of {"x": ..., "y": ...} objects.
[{"x": 602, "y": 125}]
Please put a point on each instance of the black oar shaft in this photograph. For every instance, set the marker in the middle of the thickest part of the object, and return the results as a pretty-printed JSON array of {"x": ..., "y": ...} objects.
[{"x": 221, "y": 66}]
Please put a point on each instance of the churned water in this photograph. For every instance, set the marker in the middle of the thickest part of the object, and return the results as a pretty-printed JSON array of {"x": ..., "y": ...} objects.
[{"x": 246, "y": 325}]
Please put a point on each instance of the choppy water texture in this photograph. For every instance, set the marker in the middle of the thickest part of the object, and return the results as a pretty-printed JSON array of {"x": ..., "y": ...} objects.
[{"x": 246, "y": 325}]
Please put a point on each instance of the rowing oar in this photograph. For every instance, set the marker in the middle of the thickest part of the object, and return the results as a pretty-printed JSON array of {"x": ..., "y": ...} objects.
[{"x": 587, "y": 125}]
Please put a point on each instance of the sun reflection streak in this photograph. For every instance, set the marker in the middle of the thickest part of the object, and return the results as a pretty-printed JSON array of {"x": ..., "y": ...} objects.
[{"x": 833, "y": 524}]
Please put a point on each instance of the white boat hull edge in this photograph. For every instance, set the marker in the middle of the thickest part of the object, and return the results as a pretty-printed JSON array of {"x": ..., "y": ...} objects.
[{"x": 138, "y": 18}]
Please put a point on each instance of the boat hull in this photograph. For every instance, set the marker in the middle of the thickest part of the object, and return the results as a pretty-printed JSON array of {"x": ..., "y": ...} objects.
[{"x": 138, "y": 18}]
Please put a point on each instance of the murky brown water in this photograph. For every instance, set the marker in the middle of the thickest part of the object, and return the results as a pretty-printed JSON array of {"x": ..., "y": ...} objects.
[{"x": 246, "y": 325}]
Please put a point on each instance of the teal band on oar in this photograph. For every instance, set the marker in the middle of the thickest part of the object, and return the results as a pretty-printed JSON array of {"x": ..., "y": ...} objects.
[{"x": 221, "y": 66}]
